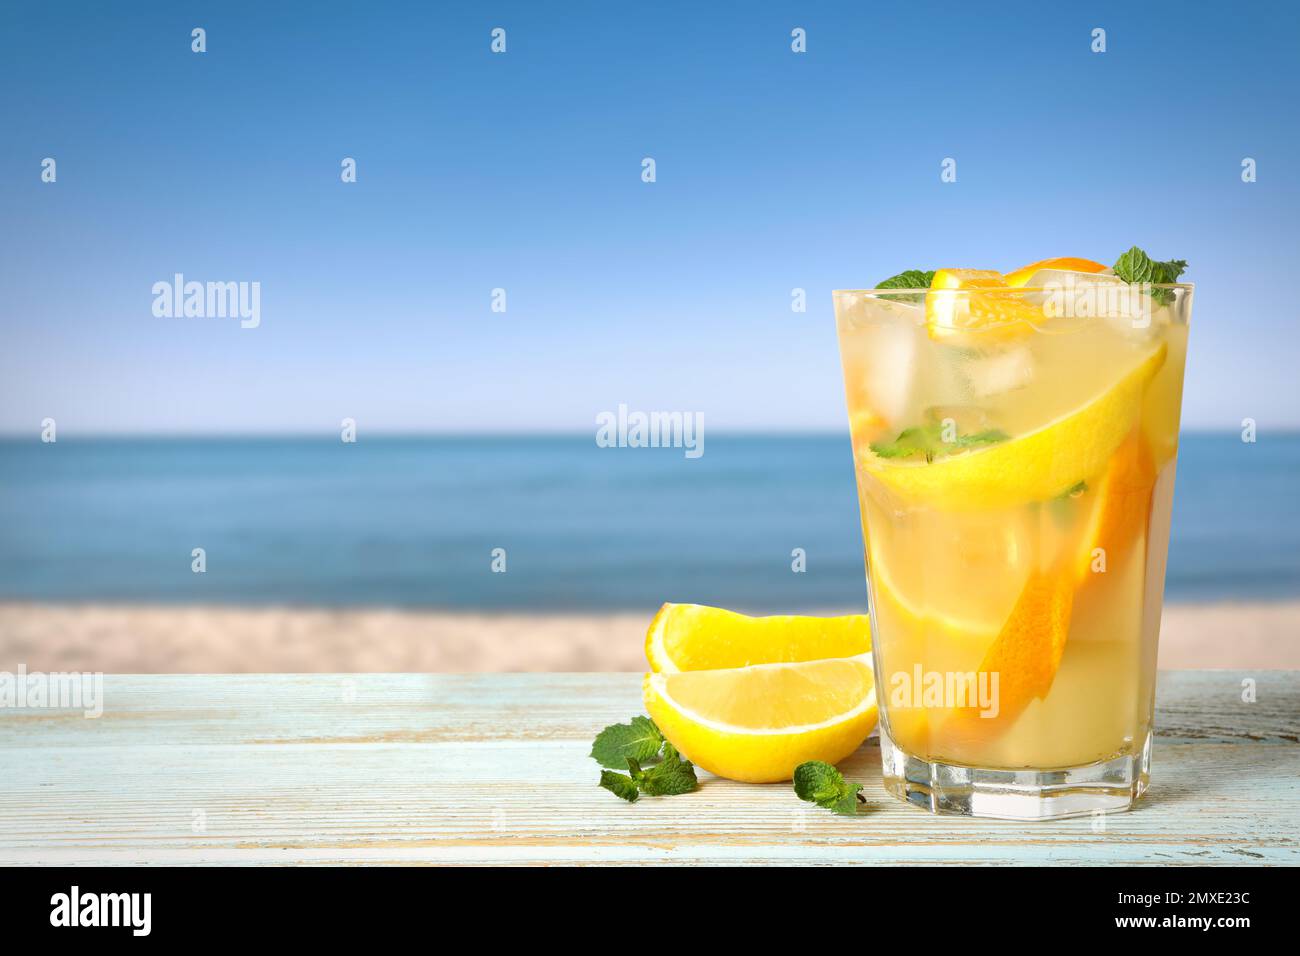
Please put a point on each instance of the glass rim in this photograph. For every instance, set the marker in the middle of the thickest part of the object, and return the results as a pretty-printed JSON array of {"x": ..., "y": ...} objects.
[{"x": 1006, "y": 290}]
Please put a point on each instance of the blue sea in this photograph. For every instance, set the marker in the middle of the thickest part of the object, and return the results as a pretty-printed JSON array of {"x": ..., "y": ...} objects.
[{"x": 413, "y": 522}]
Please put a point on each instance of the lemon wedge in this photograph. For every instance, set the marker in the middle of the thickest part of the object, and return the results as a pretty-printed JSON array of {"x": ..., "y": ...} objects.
[
  {"x": 693, "y": 637},
  {"x": 1036, "y": 466},
  {"x": 758, "y": 723}
]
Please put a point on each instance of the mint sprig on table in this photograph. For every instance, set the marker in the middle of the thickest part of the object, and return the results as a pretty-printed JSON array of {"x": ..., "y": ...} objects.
[
  {"x": 639, "y": 739},
  {"x": 927, "y": 440},
  {"x": 1137, "y": 267},
  {"x": 654, "y": 766},
  {"x": 820, "y": 783},
  {"x": 670, "y": 776}
]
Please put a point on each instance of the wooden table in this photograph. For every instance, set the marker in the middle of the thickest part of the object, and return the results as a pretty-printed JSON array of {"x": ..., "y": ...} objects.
[{"x": 416, "y": 768}]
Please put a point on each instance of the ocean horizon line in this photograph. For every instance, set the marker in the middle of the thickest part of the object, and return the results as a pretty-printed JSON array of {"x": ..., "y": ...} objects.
[
  {"x": 452, "y": 434},
  {"x": 756, "y": 608}
]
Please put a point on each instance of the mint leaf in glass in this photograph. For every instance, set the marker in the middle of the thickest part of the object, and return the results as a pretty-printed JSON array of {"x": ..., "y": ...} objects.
[
  {"x": 1137, "y": 267},
  {"x": 911, "y": 279},
  {"x": 928, "y": 441}
]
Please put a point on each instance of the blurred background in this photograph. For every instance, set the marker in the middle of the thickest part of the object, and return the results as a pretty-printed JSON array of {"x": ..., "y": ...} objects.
[{"x": 501, "y": 273}]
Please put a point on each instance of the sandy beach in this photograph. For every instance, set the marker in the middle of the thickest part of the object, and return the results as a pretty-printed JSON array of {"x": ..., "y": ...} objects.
[{"x": 203, "y": 639}]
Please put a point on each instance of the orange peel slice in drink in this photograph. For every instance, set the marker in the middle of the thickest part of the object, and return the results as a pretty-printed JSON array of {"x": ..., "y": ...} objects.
[
  {"x": 1069, "y": 263},
  {"x": 977, "y": 303},
  {"x": 1123, "y": 504},
  {"x": 1027, "y": 652},
  {"x": 1028, "y": 649}
]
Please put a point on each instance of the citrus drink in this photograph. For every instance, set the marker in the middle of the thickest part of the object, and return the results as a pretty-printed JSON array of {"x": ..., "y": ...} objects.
[{"x": 1015, "y": 448}]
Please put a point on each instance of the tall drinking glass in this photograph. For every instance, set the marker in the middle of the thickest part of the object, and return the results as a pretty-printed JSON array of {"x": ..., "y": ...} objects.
[{"x": 1015, "y": 452}]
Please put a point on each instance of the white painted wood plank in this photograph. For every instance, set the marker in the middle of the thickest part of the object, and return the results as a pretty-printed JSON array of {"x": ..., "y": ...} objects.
[{"x": 493, "y": 769}]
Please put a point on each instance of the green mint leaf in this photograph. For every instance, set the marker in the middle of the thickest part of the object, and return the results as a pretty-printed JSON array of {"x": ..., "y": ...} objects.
[
  {"x": 1171, "y": 270},
  {"x": 669, "y": 777},
  {"x": 632, "y": 745},
  {"x": 1063, "y": 508},
  {"x": 847, "y": 805},
  {"x": 820, "y": 783},
  {"x": 816, "y": 781},
  {"x": 1078, "y": 488},
  {"x": 1167, "y": 272},
  {"x": 638, "y": 739},
  {"x": 990, "y": 436},
  {"x": 1136, "y": 266},
  {"x": 911, "y": 279},
  {"x": 620, "y": 785},
  {"x": 910, "y": 441},
  {"x": 927, "y": 441}
]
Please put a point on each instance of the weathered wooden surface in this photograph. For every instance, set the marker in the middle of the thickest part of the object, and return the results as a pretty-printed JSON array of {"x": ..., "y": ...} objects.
[{"x": 409, "y": 768}]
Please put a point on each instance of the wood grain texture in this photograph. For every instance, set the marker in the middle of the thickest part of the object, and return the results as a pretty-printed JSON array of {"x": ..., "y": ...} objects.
[{"x": 412, "y": 768}]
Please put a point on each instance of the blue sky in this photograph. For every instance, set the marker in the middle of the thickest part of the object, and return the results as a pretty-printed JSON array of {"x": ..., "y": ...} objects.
[{"x": 522, "y": 171}]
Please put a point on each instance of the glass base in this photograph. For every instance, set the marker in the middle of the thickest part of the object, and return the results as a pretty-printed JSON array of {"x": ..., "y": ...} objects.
[{"x": 1105, "y": 787}]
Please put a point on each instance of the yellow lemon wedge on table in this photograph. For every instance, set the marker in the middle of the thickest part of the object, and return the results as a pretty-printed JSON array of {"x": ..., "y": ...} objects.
[
  {"x": 1069, "y": 263},
  {"x": 757, "y": 723},
  {"x": 1036, "y": 466},
  {"x": 693, "y": 637}
]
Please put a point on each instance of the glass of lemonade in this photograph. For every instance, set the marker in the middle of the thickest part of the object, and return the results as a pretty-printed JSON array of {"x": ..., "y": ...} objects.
[{"x": 1015, "y": 450}]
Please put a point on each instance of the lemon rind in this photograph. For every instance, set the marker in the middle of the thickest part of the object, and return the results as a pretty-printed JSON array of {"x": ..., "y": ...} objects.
[
  {"x": 657, "y": 681},
  {"x": 655, "y": 651},
  {"x": 957, "y": 485}
]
